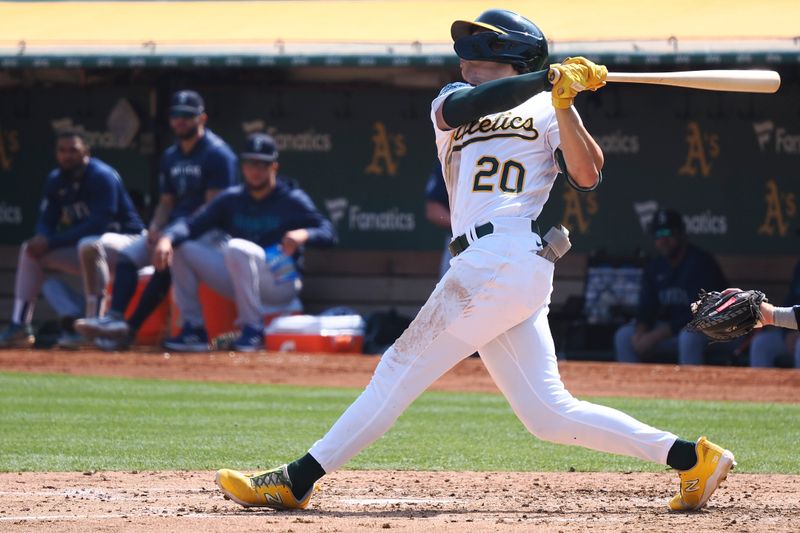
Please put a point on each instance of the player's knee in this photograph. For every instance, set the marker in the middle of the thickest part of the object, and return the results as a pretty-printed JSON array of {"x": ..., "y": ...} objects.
[
  {"x": 547, "y": 428},
  {"x": 547, "y": 416},
  {"x": 240, "y": 252},
  {"x": 241, "y": 247},
  {"x": 90, "y": 247}
]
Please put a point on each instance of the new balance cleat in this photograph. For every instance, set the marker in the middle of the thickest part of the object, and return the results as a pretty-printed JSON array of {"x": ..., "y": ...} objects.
[
  {"x": 272, "y": 489},
  {"x": 699, "y": 482}
]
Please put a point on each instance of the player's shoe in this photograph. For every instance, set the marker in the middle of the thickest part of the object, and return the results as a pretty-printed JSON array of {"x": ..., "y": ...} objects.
[
  {"x": 107, "y": 326},
  {"x": 272, "y": 489},
  {"x": 699, "y": 482},
  {"x": 17, "y": 336},
  {"x": 250, "y": 340},
  {"x": 190, "y": 339}
]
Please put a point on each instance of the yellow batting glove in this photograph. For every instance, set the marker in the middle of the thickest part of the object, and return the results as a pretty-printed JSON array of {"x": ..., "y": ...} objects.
[
  {"x": 597, "y": 73},
  {"x": 568, "y": 80}
]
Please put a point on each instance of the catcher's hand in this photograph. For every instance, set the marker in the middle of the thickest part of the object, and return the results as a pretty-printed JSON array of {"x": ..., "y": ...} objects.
[
  {"x": 727, "y": 315},
  {"x": 574, "y": 75}
]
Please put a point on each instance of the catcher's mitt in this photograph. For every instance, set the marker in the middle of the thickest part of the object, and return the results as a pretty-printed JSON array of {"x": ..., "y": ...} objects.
[{"x": 728, "y": 315}]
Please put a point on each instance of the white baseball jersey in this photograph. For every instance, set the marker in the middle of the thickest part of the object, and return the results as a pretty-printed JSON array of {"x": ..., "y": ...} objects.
[{"x": 501, "y": 165}]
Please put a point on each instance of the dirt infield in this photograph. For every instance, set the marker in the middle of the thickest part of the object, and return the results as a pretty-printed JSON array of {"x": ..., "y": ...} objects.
[
  {"x": 582, "y": 379},
  {"x": 402, "y": 501}
]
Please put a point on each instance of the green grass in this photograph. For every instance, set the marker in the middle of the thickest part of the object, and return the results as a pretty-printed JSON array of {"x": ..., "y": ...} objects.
[{"x": 68, "y": 423}]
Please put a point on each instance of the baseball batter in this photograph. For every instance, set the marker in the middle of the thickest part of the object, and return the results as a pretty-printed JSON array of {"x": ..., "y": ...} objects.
[{"x": 501, "y": 141}]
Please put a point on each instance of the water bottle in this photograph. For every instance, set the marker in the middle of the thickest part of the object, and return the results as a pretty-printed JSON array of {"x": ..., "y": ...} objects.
[{"x": 282, "y": 266}]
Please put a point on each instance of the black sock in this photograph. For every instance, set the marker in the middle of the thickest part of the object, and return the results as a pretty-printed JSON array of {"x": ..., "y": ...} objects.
[
  {"x": 303, "y": 473},
  {"x": 154, "y": 293},
  {"x": 125, "y": 280},
  {"x": 682, "y": 455}
]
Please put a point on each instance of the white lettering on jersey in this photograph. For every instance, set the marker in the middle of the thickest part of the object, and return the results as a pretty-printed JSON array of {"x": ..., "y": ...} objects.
[{"x": 501, "y": 165}]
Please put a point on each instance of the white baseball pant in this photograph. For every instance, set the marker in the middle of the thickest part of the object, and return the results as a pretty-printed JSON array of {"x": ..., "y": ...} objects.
[{"x": 494, "y": 299}]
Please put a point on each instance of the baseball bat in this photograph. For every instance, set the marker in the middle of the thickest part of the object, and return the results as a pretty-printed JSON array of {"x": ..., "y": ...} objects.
[{"x": 743, "y": 81}]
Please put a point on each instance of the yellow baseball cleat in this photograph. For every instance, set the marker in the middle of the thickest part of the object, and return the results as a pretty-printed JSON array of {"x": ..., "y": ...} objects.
[
  {"x": 699, "y": 482},
  {"x": 272, "y": 488}
]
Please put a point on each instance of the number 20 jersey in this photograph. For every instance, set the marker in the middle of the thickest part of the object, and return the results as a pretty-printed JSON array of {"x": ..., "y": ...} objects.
[{"x": 501, "y": 165}]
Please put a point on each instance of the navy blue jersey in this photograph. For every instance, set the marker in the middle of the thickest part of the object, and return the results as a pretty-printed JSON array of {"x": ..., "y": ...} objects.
[
  {"x": 435, "y": 188},
  {"x": 95, "y": 204},
  {"x": 263, "y": 222},
  {"x": 211, "y": 164},
  {"x": 667, "y": 292}
]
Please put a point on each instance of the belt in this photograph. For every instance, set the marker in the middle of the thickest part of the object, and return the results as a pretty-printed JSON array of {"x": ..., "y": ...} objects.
[{"x": 460, "y": 243}]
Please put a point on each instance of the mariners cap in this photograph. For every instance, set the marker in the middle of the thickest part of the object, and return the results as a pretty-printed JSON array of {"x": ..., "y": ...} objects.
[
  {"x": 667, "y": 223},
  {"x": 260, "y": 147},
  {"x": 186, "y": 103}
]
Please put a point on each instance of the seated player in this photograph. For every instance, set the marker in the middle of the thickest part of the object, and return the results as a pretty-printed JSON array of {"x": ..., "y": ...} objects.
[
  {"x": 268, "y": 221},
  {"x": 670, "y": 283},
  {"x": 770, "y": 343},
  {"x": 192, "y": 172},
  {"x": 83, "y": 198}
]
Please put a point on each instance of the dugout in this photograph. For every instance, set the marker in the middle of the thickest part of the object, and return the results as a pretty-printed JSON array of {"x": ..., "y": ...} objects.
[{"x": 345, "y": 88}]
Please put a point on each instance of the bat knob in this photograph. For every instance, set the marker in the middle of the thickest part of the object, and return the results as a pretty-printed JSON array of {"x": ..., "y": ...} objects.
[{"x": 553, "y": 76}]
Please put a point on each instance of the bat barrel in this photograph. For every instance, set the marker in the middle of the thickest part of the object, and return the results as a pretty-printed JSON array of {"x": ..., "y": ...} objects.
[{"x": 750, "y": 81}]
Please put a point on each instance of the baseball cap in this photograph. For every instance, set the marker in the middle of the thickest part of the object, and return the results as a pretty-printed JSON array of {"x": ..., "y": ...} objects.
[
  {"x": 667, "y": 223},
  {"x": 187, "y": 103},
  {"x": 261, "y": 147}
]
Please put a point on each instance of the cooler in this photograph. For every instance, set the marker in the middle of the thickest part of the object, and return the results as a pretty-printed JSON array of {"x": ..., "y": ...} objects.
[{"x": 316, "y": 334}]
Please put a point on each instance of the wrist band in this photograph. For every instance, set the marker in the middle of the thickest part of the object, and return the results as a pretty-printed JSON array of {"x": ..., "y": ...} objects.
[{"x": 784, "y": 317}]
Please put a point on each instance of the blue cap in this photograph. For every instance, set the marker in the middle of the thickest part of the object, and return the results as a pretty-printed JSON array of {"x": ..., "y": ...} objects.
[
  {"x": 260, "y": 147},
  {"x": 186, "y": 103}
]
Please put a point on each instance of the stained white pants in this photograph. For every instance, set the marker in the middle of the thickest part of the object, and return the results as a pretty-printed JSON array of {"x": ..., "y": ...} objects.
[{"x": 494, "y": 299}]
